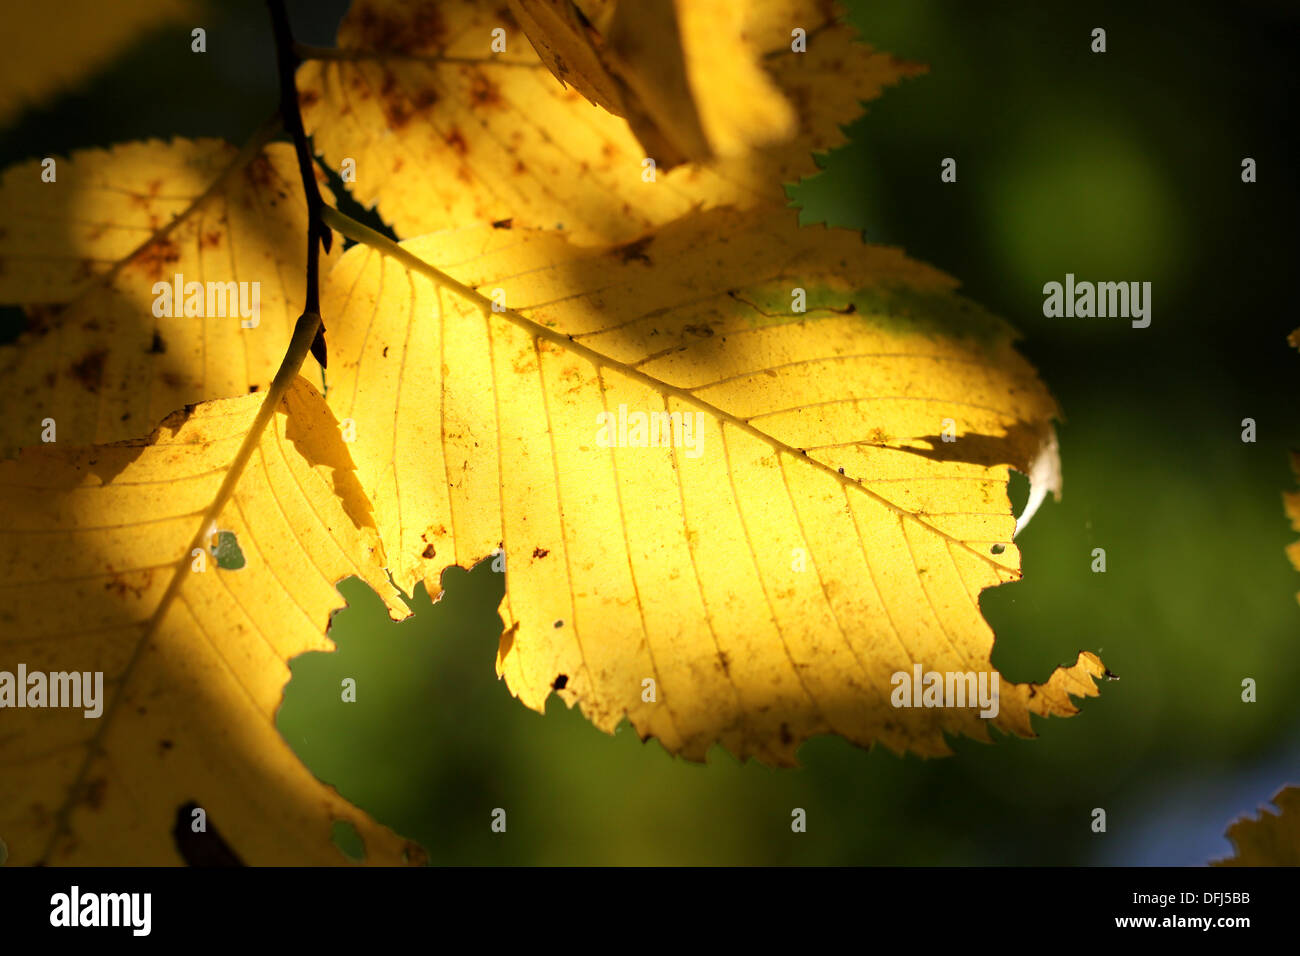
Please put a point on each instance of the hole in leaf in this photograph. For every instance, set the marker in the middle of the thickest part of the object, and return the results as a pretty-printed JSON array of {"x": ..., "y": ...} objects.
[
  {"x": 227, "y": 552},
  {"x": 205, "y": 847},
  {"x": 998, "y": 548},
  {"x": 1018, "y": 492},
  {"x": 345, "y": 836},
  {"x": 560, "y": 682}
]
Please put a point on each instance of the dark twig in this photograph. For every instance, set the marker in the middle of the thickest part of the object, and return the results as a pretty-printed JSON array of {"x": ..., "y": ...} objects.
[{"x": 287, "y": 57}]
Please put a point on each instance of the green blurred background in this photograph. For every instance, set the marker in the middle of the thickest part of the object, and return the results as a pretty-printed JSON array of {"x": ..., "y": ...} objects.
[{"x": 1115, "y": 166}]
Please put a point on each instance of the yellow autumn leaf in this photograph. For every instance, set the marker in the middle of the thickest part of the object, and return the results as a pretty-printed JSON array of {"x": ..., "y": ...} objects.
[
  {"x": 444, "y": 132},
  {"x": 83, "y": 253},
  {"x": 734, "y": 104},
  {"x": 771, "y": 574},
  {"x": 44, "y": 57},
  {"x": 685, "y": 74},
  {"x": 567, "y": 43},
  {"x": 194, "y": 657},
  {"x": 1271, "y": 840}
]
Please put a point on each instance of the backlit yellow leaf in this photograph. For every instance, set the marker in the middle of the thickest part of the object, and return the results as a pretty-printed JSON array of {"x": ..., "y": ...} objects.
[
  {"x": 98, "y": 577},
  {"x": 684, "y": 74},
  {"x": 568, "y": 44},
  {"x": 84, "y": 254},
  {"x": 445, "y": 133},
  {"x": 819, "y": 538}
]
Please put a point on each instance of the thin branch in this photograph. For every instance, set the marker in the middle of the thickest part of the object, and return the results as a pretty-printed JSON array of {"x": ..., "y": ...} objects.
[{"x": 318, "y": 234}]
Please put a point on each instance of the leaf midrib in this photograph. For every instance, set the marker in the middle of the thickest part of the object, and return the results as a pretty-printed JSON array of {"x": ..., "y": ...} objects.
[{"x": 388, "y": 247}]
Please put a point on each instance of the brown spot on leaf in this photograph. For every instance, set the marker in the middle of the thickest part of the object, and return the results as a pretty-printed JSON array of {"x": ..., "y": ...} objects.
[
  {"x": 154, "y": 258},
  {"x": 503, "y": 224},
  {"x": 260, "y": 172},
  {"x": 541, "y": 552},
  {"x": 307, "y": 99},
  {"x": 634, "y": 250},
  {"x": 138, "y": 200},
  {"x": 456, "y": 140},
  {"x": 120, "y": 586},
  {"x": 89, "y": 369},
  {"x": 40, "y": 319},
  {"x": 157, "y": 346},
  {"x": 419, "y": 26},
  {"x": 424, "y": 99},
  {"x": 428, "y": 552},
  {"x": 483, "y": 92},
  {"x": 210, "y": 239},
  {"x": 399, "y": 104},
  {"x": 397, "y": 113}
]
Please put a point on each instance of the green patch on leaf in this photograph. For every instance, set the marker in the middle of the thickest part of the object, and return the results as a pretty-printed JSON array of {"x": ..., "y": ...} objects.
[
  {"x": 898, "y": 310},
  {"x": 227, "y": 552}
]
